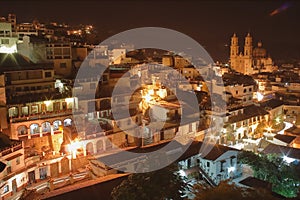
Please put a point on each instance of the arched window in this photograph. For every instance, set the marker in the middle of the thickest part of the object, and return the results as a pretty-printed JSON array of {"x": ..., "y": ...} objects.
[
  {"x": 46, "y": 127},
  {"x": 67, "y": 122},
  {"x": 34, "y": 129},
  {"x": 99, "y": 146},
  {"x": 56, "y": 125},
  {"x": 22, "y": 130},
  {"x": 108, "y": 143},
  {"x": 89, "y": 148}
]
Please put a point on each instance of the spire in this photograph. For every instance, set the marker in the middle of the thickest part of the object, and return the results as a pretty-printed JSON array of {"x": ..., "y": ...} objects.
[
  {"x": 248, "y": 45},
  {"x": 234, "y": 47}
]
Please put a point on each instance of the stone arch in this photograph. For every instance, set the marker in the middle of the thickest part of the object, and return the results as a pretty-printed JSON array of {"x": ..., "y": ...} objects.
[
  {"x": 89, "y": 148},
  {"x": 56, "y": 124},
  {"x": 34, "y": 128},
  {"x": 108, "y": 143},
  {"x": 22, "y": 130},
  {"x": 46, "y": 127},
  {"x": 68, "y": 122},
  {"x": 99, "y": 146}
]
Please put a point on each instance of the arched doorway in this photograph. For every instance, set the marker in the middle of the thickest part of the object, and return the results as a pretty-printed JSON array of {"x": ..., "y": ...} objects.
[
  {"x": 108, "y": 143},
  {"x": 89, "y": 148},
  {"x": 34, "y": 129},
  {"x": 67, "y": 122},
  {"x": 22, "y": 130},
  {"x": 46, "y": 127},
  {"x": 99, "y": 146},
  {"x": 56, "y": 125}
]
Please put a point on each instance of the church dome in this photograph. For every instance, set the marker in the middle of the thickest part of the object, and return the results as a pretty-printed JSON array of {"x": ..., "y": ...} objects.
[{"x": 259, "y": 51}]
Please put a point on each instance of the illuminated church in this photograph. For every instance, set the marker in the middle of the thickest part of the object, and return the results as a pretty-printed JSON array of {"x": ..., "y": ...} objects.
[{"x": 252, "y": 60}]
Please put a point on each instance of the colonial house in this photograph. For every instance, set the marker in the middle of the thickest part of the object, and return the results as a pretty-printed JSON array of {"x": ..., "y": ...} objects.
[
  {"x": 220, "y": 164},
  {"x": 243, "y": 121},
  {"x": 12, "y": 177}
]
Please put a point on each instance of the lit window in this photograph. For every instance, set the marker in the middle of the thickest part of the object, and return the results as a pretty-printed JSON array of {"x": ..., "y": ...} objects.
[
  {"x": 46, "y": 127},
  {"x": 5, "y": 189},
  {"x": 56, "y": 125},
  {"x": 34, "y": 129},
  {"x": 67, "y": 122}
]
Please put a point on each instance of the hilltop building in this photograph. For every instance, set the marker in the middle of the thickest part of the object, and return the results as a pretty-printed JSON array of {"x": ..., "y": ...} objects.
[{"x": 253, "y": 60}]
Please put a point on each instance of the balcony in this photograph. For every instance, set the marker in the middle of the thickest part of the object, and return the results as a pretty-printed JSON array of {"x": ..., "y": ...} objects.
[
  {"x": 17, "y": 145},
  {"x": 36, "y": 135},
  {"x": 42, "y": 116}
]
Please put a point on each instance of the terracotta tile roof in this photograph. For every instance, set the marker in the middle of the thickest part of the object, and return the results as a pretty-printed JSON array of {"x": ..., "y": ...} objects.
[
  {"x": 249, "y": 112},
  {"x": 272, "y": 103},
  {"x": 282, "y": 151},
  {"x": 217, "y": 151},
  {"x": 13, "y": 157},
  {"x": 285, "y": 138}
]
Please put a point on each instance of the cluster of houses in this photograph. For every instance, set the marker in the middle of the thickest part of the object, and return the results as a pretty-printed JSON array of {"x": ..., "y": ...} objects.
[{"x": 47, "y": 131}]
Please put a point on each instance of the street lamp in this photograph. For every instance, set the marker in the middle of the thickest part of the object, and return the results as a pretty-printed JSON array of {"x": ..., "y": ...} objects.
[
  {"x": 277, "y": 120},
  {"x": 269, "y": 129}
]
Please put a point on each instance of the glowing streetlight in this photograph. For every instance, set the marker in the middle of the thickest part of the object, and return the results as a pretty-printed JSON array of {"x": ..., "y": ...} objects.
[
  {"x": 259, "y": 96},
  {"x": 231, "y": 169},
  {"x": 73, "y": 147},
  {"x": 147, "y": 98},
  {"x": 8, "y": 50},
  {"x": 288, "y": 159},
  {"x": 269, "y": 129},
  {"x": 69, "y": 100},
  {"x": 47, "y": 103}
]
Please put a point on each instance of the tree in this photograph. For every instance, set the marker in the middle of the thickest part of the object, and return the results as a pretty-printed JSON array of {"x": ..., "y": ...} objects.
[
  {"x": 271, "y": 168},
  {"x": 258, "y": 133},
  {"x": 229, "y": 133},
  {"x": 229, "y": 191},
  {"x": 165, "y": 183}
]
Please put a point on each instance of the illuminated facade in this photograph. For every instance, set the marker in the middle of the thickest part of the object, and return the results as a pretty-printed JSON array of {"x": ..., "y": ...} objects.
[
  {"x": 252, "y": 60},
  {"x": 33, "y": 110},
  {"x": 60, "y": 54},
  {"x": 8, "y": 39},
  {"x": 220, "y": 164},
  {"x": 13, "y": 178}
]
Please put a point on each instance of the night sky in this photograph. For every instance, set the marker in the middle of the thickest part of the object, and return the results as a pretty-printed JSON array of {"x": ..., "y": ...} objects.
[{"x": 211, "y": 23}]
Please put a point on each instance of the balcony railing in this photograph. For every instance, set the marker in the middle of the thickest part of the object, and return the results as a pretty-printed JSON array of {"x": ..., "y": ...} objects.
[
  {"x": 35, "y": 135},
  {"x": 42, "y": 116},
  {"x": 8, "y": 150}
]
